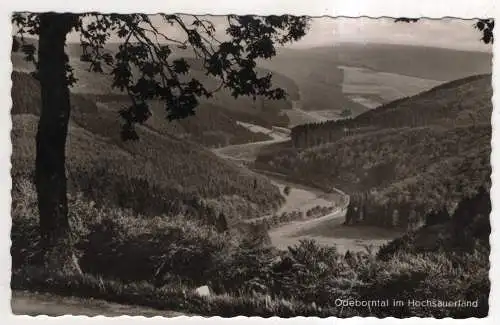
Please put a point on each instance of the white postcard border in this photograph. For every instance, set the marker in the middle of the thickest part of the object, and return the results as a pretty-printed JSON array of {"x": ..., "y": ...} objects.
[{"x": 350, "y": 8}]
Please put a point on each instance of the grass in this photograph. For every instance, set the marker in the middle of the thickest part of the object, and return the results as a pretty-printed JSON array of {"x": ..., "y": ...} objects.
[{"x": 164, "y": 298}]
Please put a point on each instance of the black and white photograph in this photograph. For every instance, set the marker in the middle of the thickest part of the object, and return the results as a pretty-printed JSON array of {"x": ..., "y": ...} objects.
[{"x": 184, "y": 164}]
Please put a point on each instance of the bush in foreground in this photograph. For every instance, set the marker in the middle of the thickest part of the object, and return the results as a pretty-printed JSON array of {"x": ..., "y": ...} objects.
[{"x": 157, "y": 262}]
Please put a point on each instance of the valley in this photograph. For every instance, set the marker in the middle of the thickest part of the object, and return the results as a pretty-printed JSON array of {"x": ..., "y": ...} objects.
[
  {"x": 332, "y": 231},
  {"x": 370, "y": 179},
  {"x": 240, "y": 134},
  {"x": 327, "y": 229},
  {"x": 372, "y": 156}
]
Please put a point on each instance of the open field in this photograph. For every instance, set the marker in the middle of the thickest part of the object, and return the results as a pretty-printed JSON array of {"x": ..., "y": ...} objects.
[
  {"x": 328, "y": 230},
  {"x": 297, "y": 115},
  {"x": 275, "y": 135},
  {"x": 303, "y": 198},
  {"x": 366, "y": 100},
  {"x": 384, "y": 85},
  {"x": 332, "y": 232}
]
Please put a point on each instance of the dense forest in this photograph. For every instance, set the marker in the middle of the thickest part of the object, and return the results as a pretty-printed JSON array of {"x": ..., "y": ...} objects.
[
  {"x": 161, "y": 173},
  {"x": 402, "y": 160}
]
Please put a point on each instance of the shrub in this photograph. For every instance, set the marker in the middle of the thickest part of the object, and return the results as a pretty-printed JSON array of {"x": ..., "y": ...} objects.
[
  {"x": 157, "y": 262},
  {"x": 117, "y": 244}
]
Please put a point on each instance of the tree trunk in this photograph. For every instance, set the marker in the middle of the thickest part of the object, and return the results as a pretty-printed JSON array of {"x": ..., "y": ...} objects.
[{"x": 50, "y": 174}]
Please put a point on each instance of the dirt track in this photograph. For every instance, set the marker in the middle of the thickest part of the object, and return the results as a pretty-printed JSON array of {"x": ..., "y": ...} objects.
[{"x": 35, "y": 304}]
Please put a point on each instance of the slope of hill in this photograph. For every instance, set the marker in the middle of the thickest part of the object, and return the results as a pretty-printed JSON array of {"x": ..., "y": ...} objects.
[
  {"x": 211, "y": 126},
  {"x": 466, "y": 230},
  {"x": 400, "y": 160},
  {"x": 261, "y": 111},
  {"x": 462, "y": 102},
  {"x": 318, "y": 77},
  {"x": 158, "y": 174},
  {"x": 416, "y": 61}
]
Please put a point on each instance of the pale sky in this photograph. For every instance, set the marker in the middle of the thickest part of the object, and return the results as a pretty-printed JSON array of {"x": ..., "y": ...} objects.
[{"x": 448, "y": 33}]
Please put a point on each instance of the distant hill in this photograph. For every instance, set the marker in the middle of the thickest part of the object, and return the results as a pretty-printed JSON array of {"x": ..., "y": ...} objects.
[
  {"x": 262, "y": 111},
  {"x": 462, "y": 102},
  {"x": 320, "y": 76},
  {"x": 416, "y": 61},
  {"x": 161, "y": 173},
  {"x": 405, "y": 158}
]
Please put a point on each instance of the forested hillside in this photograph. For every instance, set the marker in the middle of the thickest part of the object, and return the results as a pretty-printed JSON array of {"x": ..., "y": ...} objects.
[
  {"x": 402, "y": 160},
  {"x": 458, "y": 103},
  {"x": 212, "y": 126},
  {"x": 160, "y": 173},
  {"x": 467, "y": 229}
]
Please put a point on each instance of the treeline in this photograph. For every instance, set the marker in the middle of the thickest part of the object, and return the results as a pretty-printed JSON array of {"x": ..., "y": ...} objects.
[
  {"x": 461, "y": 102},
  {"x": 277, "y": 220},
  {"x": 467, "y": 228}
]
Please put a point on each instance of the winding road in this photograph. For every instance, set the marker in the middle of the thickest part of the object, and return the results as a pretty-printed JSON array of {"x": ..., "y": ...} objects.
[{"x": 326, "y": 230}]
